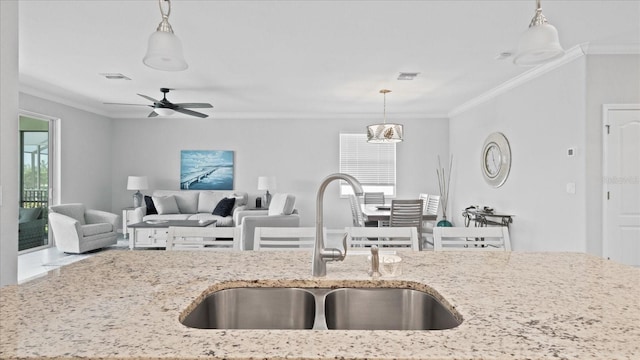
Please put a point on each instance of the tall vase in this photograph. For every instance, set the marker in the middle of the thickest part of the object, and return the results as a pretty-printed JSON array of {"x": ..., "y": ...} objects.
[{"x": 444, "y": 222}]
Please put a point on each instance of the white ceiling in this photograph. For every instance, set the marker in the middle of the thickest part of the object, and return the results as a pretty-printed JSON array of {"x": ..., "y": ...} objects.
[{"x": 297, "y": 59}]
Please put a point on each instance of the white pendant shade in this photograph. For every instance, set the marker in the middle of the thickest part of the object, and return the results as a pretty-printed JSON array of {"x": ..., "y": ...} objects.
[
  {"x": 538, "y": 45},
  {"x": 165, "y": 52},
  {"x": 384, "y": 133}
]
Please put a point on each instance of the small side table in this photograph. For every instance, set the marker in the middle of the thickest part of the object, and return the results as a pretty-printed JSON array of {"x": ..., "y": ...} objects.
[
  {"x": 127, "y": 215},
  {"x": 484, "y": 218}
]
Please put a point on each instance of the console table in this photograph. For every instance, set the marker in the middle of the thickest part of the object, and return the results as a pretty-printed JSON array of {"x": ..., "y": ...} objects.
[
  {"x": 484, "y": 218},
  {"x": 154, "y": 233}
]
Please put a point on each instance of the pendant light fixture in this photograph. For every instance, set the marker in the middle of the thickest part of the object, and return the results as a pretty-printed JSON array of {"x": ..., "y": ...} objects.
[
  {"x": 539, "y": 43},
  {"x": 384, "y": 133},
  {"x": 165, "y": 49}
]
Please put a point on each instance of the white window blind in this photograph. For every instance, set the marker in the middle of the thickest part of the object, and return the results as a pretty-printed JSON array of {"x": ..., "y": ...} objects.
[{"x": 374, "y": 165}]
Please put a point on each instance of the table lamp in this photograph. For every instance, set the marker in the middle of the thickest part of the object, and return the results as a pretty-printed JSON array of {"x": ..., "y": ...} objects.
[
  {"x": 266, "y": 183},
  {"x": 137, "y": 183}
]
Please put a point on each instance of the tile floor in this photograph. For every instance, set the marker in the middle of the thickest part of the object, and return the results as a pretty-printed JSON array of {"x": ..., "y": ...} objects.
[{"x": 37, "y": 263}]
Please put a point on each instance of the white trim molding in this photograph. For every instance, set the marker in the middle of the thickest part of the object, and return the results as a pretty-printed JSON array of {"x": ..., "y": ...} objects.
[
  {"x": 60, "y": 100},
  {"x": 571, "y": 54}
]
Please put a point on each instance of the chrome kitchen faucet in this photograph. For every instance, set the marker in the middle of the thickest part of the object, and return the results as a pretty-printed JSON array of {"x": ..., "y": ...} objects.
[{"x": 321, "y": 254}]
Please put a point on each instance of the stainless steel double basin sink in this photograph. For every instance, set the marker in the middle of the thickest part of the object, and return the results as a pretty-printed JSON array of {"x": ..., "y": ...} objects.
[{"x": 321, "y": 309}]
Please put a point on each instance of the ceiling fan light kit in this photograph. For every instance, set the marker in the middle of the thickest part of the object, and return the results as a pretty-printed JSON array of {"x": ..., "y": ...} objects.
[
  {"x": 164, "y": 111},
  {"x": 539, "y": 43},
  {"x": 164, "y": 51},
  {"x": 385, "y": 132},
  {"x": 165, "y": 107}
]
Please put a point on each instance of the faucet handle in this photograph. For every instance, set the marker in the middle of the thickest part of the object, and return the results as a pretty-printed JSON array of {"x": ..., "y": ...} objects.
[
  {"x": 344, "y": 246},
  {"x": 334, "y": 254}
]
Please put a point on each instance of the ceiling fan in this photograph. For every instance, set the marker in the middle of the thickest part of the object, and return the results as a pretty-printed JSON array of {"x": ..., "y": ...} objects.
[{"x": 165, "y": 107}]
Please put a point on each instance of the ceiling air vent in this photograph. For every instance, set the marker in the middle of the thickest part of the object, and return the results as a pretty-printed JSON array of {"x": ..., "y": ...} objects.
[
  {"x": 407, "y": 75},
  {"x": 114, "y": 76}
]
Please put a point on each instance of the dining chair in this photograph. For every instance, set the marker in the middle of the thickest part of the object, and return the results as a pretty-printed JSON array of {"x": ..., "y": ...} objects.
[
  {"x": 385, "y": 237},
  {"x": 203, "y": 238},
  {"x": 431, "y": 206},
  {"x": 284, "y": 238},
  {"x": 407, "y": 213},
  {"x": 491, "y": 238},
  {"x": 356, "y": 211},
  {"x": 375, "y": 198}
]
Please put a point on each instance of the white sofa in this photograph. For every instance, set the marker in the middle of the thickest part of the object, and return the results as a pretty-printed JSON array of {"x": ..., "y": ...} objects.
[
  {"x": 192, "y": 205},
  {"x": 199, "y": 205},
  {"x": 281, "y": 213}
]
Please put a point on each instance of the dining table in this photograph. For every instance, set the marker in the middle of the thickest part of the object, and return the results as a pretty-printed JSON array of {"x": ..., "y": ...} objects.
[{"x": 383, "y": 213}]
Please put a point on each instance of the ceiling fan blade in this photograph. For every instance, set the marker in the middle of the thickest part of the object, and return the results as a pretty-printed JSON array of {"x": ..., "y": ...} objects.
[
  {"x": 149, "y": 98},
  {"x": 194, "y": 105},
  {"x": 192, "y": 113},
  {"x": 109, "y": 103},
  {"x": 153, "y": 114}
]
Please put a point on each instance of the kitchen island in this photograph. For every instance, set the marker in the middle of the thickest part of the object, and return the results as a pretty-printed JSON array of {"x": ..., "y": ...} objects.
[{"x": 127, "y": 304}]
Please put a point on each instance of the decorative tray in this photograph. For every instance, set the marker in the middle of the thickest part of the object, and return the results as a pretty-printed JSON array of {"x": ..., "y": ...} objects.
[{"x": 155, "y": 222}]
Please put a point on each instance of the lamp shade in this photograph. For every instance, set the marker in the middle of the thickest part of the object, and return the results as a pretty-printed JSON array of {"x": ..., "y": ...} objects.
[
  {"x": 137, "y": 183},
  {"x": 384, "y": 133},
  {"x": 266, "y": 183},
  {"x": 165, "y": 52},
  {"x": 538, "y": 45}
]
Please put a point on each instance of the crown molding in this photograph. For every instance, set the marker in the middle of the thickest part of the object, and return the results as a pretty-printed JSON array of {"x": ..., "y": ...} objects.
[
  {"x": 60, "y": 100},
  {"x": 569, "y": 56},
  {"x": 300, "y": 116}
]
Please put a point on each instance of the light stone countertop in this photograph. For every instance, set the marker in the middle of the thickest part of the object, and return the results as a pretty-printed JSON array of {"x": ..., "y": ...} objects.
[{"x": 126, "y": 304}]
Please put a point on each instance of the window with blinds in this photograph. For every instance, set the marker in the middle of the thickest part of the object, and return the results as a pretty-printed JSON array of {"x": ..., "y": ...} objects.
[{"x": 374, "y": 165}]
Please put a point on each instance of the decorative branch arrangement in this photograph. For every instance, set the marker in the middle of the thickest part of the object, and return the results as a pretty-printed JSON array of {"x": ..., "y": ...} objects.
[{"x": 444, "y": 181}]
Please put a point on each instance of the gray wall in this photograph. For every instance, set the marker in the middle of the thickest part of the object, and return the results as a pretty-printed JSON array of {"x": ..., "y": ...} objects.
[
  {"x": 9, "y": 144},
  {"x": 85, "y": 152},
  {"x": 298, "y": 152},
  {"x": 541, "y": 119},
  {"x": 611, "y": 79}
]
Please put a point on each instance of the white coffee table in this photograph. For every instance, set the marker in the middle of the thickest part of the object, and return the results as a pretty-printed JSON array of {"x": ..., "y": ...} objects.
[{"x": 153, "y": 233}]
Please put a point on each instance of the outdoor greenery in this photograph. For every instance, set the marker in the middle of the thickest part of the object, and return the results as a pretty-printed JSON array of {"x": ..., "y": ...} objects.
[{"x": 30, "y": 176}]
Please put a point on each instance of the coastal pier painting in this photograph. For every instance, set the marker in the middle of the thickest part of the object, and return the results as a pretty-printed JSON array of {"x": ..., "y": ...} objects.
[{"x": 206, "y": 170}]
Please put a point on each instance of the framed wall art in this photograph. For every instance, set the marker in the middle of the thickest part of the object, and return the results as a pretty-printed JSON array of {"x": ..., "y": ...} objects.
[{"x": 206, "y": 170}]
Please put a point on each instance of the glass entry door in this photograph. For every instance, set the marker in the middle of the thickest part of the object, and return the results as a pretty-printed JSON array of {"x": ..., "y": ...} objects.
[{"x": 34, "y": 183}]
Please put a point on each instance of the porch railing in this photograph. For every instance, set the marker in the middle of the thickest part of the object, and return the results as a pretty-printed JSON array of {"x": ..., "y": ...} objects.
[{"x": 35, "y": 199}]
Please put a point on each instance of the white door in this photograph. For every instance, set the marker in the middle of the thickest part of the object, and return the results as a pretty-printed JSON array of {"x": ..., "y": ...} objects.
[{"x": 622, "y": 185}]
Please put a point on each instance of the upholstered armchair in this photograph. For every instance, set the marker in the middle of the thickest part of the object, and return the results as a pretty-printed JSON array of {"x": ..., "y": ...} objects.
[
  {"x": 281, "y": 213},
  {"x": 77, "y": 230}
]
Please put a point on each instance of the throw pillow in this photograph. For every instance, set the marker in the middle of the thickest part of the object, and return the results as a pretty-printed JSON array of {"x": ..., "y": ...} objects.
[
  {"x": 166, "y": 205},
  {"x": 151, "y": 208},
  {"x": 281, "y": 204},
  {"x": 224, "y": 207}
]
